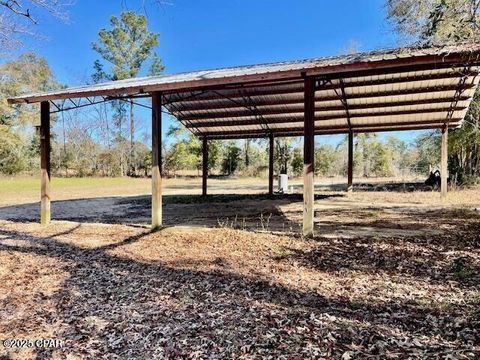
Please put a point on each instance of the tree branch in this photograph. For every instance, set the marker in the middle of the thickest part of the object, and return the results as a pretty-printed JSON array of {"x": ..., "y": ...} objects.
[{"x": 16, "y": 8}]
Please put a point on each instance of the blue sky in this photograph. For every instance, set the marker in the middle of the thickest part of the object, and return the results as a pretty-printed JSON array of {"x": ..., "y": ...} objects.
[{"x": 213, "y": 33}]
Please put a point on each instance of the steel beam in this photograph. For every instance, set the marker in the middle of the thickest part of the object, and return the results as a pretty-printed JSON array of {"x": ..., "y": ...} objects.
[
  {"x": 270, "y": 163},
  {"x": 204, "y": 165},
  {"x": 350, "y": 163},
  {"x": 444, "y": 163}
]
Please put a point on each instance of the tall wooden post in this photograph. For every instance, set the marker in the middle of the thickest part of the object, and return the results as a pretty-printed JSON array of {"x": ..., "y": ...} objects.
[
  {"x": 350, "y": 162},
  {"x": 444, "y": 162},
  {"x": 45, "y": 214},
  {"x": 308, "y": 157},
  {"x": 156, "y": 160},
  {"x": 270, "y": 164},
  {"x": 204, "y": 166}
]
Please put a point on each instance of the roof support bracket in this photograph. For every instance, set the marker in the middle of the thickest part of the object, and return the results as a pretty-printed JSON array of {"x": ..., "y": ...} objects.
[
  {"x": 77, "y": 105},
  {"x": 253, "y": 108},
  {"x": 321, "y": 82},
  {"x": 458, "y": 93},
  {"x": 345, "y": 104}
]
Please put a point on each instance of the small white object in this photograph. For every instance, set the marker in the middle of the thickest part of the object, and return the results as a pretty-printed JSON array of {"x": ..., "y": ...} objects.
[{"x": 283, "y": 183}]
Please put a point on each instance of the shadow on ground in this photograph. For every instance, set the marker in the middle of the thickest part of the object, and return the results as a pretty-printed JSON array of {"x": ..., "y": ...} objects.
[
  {"x": 110, "y": 305},
  {"x": 240, "y": 211},
  {"x": 372, "y": 186}
]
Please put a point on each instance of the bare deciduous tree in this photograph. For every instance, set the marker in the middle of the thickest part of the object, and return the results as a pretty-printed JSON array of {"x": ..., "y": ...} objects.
[{"x": 19, "y": 17}]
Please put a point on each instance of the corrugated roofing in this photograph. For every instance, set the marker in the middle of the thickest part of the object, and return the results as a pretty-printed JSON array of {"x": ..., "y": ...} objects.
[{"x": 407, "y": 88}]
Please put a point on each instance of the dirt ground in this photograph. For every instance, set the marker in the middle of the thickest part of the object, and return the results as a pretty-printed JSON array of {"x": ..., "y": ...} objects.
[{"x": 392, "y": 272}]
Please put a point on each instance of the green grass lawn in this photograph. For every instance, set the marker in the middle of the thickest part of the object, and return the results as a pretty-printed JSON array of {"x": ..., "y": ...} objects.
[
  {"x": 32, "y": 183},
  {"x": 27, "y": 189}
]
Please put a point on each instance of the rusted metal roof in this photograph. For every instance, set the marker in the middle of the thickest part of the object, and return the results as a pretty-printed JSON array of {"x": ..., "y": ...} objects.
[{"x": 401, "y": 89}]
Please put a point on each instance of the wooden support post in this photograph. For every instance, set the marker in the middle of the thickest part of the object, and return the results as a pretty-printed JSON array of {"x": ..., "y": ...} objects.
[
  {"x": 204, "y": 166},
  {"x": 350, "y": 162},
  {"x": 45, "y": 214},
  {"x": 308, "y": 157},
  {"x": 156, "y": 160},
  {"x": 444, "y": 162},
  {"x": 270, "y": 164}
]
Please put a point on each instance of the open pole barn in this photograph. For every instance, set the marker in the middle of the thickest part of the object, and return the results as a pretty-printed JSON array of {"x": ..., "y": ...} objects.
[{"x": 401, "y": 89}]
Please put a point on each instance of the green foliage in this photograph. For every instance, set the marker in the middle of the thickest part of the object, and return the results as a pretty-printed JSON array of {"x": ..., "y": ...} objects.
[
  {"x": 297, "y": 162},
  {"x": 255, "y": 158},
  {"x": 183, "y": 155},
  {"x": 283, "y": 153},
  {"x": 156, "y": 66},
  {"x": 108, "y": 163},
  {"x": 326, "y": 159},
  {"x": 127, "y": 44},
  {"x": 82, "y": 153},
  {"x": 436, "y": 20},
  {"x": 99, "y": 75},
  {"x": 231, "y": 158},
  {"x": 143, "y": 158},
  {"x": 462, "y": 268},
  {"x": 400, "y": 153},
  {"x": 382, "y": 165},
  {"x": 186, "y": 151},
  {"x": 12, "y": 159},
  {"x": 214, "y": 149},
  {"x": 175, "y": 159},
  {"x": 126, "y": 47},
  {"x": 28, "y": 73},
  {"x": 374, "y": 158},
  {"x": 428, "y": 150}
]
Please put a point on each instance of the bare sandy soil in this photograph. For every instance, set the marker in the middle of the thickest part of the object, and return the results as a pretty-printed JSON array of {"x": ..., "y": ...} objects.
[{"x": 390, "y": 274}]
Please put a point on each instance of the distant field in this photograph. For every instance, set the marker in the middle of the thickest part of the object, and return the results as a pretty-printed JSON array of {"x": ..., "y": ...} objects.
[
  {"x": 20, "y": 190},
  {"x": 26, "y": 189}
]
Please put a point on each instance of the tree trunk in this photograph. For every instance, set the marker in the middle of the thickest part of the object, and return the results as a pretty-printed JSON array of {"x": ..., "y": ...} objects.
[{"x": 247, "y": 153}]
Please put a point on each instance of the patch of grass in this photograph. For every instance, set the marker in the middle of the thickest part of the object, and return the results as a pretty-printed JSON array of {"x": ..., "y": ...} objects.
[
  {"x": 8, "y": 184},
  {"x": 265, "y": 221},
  {"x": 373, "y": 214},
  {"x": 423, "y": 301},
  {"x": 461, "y": 268},
  {"x": 223, "y": 198},
  {"x": 17, "y": 190},
  {"x": 281, "y": 252}
]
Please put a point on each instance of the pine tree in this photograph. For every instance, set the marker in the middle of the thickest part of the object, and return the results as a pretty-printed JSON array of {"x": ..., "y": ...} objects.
[{"x": 127, "y": 46}]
